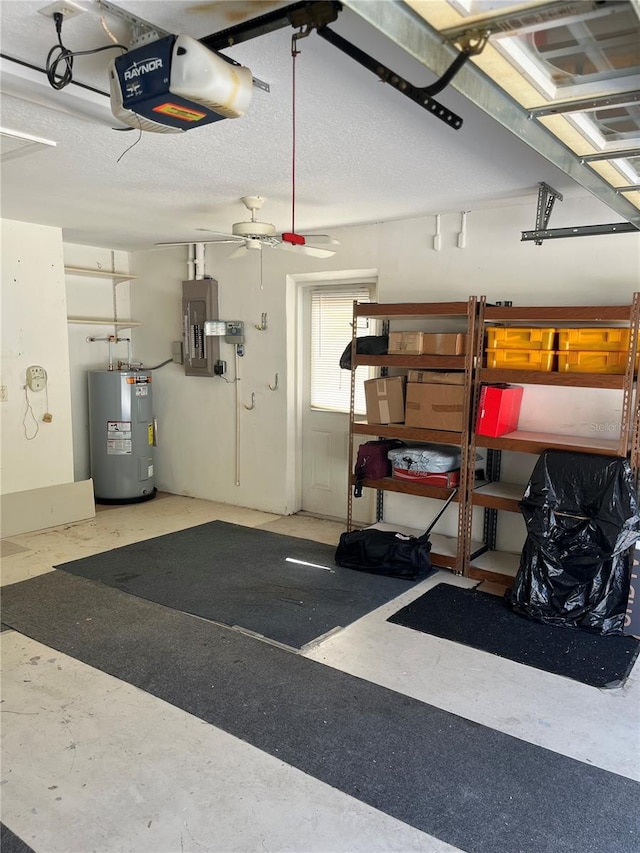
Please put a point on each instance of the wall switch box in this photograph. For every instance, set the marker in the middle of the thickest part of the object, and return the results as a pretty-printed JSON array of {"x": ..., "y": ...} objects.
[
  {"x": 234, "y": 332},
  {"x": 177, "y": 352}
]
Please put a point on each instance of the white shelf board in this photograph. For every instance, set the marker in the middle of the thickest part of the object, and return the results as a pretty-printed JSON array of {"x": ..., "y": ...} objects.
[
  {"x": 97, "y": 321},
  {"x": 499, "y": 489},
  {"x": 96, "y": 273},
  {"x": 501, "y": 562}
]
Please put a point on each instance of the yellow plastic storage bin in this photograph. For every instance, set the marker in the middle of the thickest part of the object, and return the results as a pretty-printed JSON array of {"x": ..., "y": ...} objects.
[
  {"x": 521, "y": 337},
  {"x": 590, "y": 361},
  {"x": 601, "y": 339},
  {"x": 521, "y": 359}
]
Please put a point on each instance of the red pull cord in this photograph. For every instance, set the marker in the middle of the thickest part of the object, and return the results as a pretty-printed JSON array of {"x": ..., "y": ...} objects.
[{"x": 294, "y": 54}]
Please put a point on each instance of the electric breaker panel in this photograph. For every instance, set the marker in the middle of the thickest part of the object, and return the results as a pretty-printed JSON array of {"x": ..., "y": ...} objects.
[{"x": 199, "y": 304}]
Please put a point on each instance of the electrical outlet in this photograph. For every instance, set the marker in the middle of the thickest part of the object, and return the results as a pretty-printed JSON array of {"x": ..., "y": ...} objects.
[
  {"x": 4, "y": 394},
  {"x": 66, "y": 8}
]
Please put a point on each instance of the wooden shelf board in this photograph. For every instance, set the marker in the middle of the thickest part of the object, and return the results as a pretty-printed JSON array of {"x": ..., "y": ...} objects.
[
  {"x": 97, "y": 321},
  {"x": 433, "y": 362},
  {"x": 567, "y": 314},
  {"x": 95, "y": 273},
  {"x": 389, "y": 484},
  {"x": 411, "y": 309},
  {"x": 499, "y": 495},
  {"x": 522, "y": 441},
  {"x": 540, "y": 377},
  {"x": 403, "y": 432}
]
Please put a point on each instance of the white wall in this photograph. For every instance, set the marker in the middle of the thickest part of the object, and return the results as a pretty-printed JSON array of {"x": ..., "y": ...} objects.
[
  {"x": 197, "y": 416},
  {"x": 34, "y": 331}
]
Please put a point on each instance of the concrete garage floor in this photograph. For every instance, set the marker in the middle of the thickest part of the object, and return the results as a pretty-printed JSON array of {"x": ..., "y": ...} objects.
[{"x": 91, "y": 763}]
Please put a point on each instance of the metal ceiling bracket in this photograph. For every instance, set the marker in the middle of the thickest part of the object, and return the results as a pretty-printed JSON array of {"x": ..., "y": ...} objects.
[
  {"x": 142, "y": 31},
  {"x": 619, "y": 154},
  {"x": 598, "y": 102},
  {"x": 546, "y": 199},
  {"x": 580, "y": 231}
]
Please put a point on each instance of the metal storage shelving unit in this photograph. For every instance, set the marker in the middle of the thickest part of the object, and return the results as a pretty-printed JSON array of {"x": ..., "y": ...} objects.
[
  {"x": 463, "y": 555},
  {"x": 449, "y": 552},
  {"x": 501, "y": 496}
]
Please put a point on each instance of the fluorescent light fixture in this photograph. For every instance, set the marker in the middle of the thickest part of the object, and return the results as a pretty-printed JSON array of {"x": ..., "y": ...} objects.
[
  {"x": 14, "y": 143},
  {"x": 29, "y": 84}
]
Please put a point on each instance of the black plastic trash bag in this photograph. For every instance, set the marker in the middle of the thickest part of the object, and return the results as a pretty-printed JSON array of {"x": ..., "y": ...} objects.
[
  {"x": 365, "y": 345},
  {"x": 582, "y": 518}
]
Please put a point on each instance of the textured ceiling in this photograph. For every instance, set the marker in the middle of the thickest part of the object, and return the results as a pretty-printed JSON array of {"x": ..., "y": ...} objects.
[{"x": 364, "y": 152}]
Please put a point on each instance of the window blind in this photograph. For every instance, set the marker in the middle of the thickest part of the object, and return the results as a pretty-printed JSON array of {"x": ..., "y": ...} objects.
[{"x": 331, "y": 318}]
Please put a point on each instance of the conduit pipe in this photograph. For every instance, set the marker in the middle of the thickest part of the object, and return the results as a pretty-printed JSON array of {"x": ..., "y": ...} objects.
[{"x": 237, "y": 384}]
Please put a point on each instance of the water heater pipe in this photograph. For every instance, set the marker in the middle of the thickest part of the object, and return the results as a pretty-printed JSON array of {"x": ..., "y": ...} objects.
[{"x": 237, "y": 384}]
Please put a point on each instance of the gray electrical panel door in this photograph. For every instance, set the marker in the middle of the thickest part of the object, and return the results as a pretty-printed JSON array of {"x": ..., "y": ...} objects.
[
  {"x": 199, "y": 304},
  {"x": 121, "y": 432}
]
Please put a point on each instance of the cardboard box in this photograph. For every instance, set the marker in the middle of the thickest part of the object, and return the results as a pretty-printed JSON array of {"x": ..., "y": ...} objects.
[
  {"x": 427, "y": 343},
  {"x": 405, "y": 343},
  {"x": 385, "y": 399},
  {"x": 431, "y": 406},
  {"x": 498, "y": 409},
  {"x": 632, "y": 615},
  {"x": 448, "y": 343},
  {"x": 439, "y": 377}
]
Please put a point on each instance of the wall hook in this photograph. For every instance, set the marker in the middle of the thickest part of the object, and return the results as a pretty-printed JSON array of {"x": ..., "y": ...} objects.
[
  {"x": 262, "y": 325},
  {"x": 274, "y": 387},
  {"x": 253, "y": 402}
]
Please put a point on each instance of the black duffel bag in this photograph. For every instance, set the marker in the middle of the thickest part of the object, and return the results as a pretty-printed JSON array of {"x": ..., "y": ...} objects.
[
  {"x": 365, "y": 345},
  {"x": 385, "y": 552}
]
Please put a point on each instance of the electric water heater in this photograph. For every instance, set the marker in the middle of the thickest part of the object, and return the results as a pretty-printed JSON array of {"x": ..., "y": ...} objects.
[{"x": 122, "y": 435}]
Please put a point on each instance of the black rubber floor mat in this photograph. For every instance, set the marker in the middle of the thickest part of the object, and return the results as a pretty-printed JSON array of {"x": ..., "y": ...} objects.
[
  {"x": 281, "y": 587},
  {"x": 486, "y": 622},
  {"x": 466, "y": 784},
  {"x": 11, "y": 843}
]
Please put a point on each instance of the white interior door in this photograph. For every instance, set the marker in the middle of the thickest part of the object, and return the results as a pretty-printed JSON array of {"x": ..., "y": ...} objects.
[{"x": 325, "y": 432}]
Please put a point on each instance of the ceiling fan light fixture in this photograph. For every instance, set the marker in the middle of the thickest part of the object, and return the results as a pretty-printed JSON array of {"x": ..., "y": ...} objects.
[{"x": 253, "y": 230}]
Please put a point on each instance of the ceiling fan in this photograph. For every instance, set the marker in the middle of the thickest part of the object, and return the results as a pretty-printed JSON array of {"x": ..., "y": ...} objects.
[{"x": 253, "y": 235}]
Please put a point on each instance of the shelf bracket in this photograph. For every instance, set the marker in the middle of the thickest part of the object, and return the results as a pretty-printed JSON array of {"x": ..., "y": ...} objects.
[{"x": 546, "y": 199}]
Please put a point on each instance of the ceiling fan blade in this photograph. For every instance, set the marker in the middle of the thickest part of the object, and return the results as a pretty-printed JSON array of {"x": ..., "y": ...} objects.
[
  {"x": 191, "y": 242},
  {"x": 229, "y": 238},
  {"x": 239, "y": 252},
  {"x": 311, "y": 251},
  {"x": 322, "y": 239}
]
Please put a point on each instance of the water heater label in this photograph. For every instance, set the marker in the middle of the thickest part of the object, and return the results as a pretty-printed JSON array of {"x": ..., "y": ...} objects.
[
  {"x": 119, "y": 438},
  {"x": 142, "y": 390}
]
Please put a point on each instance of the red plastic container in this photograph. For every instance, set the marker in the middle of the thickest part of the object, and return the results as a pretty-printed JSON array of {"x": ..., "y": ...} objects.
[{"x": 498, "y": 409}]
